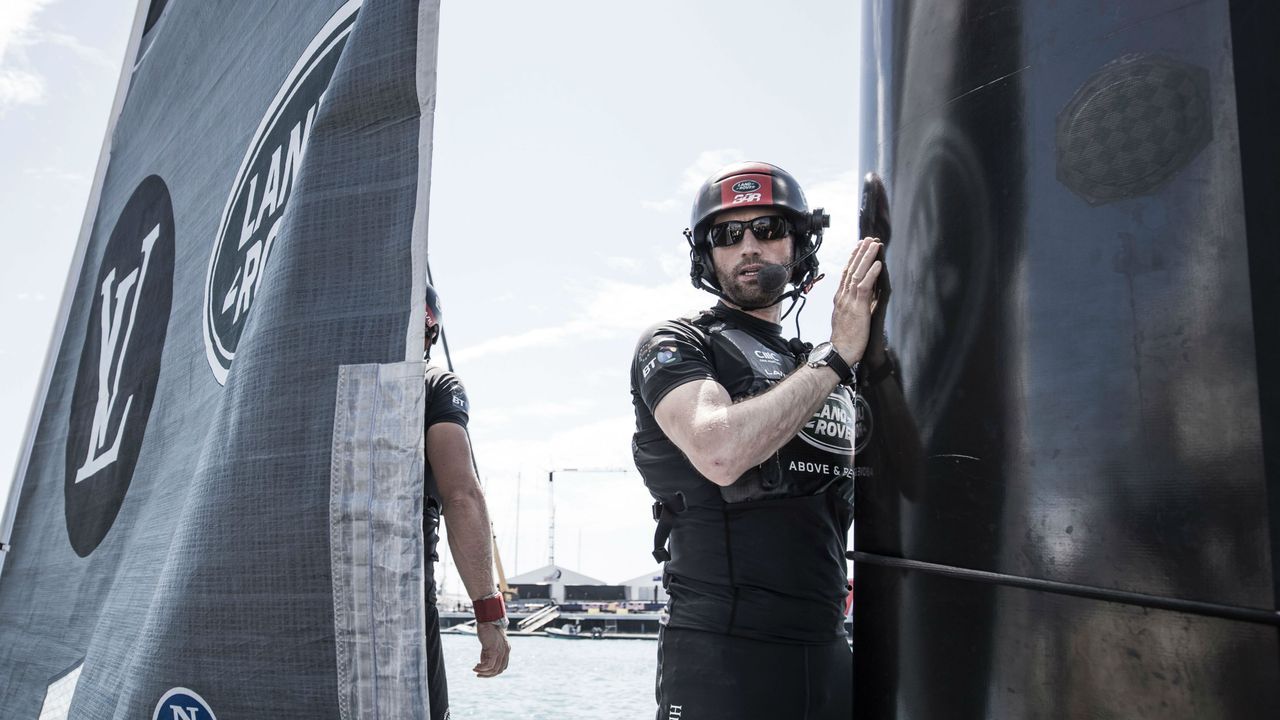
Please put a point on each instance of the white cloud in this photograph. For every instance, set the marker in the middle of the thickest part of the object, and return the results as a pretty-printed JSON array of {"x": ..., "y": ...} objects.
[
  {"x": 20, "y": 87},
  {"x": 839, "y": 196},
  {"x": 618, "y": 262},
  {"x": 89, "y": 54},
  {"x": 707, "y": 162},
  {"x": 603, "y": 443},
  {"x": 55, "y": 173},
  {"x": 16, "y": 22},
  {"x": 611, "y": 308},
  {"x": 660, "y": 205},
  {"x": 504, "y": 414},
  {"x": 20, "y": 83}
]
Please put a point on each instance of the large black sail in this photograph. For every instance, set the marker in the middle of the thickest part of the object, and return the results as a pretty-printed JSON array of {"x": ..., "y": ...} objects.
[
  {"x": 1084, "y": 269},
  {"x": 216, "y": 513}
]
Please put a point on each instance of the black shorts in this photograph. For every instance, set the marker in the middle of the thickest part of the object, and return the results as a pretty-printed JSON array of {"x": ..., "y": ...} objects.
[
  {"x": 709, "y": 676},
  {"x": 437, "y": 686}
]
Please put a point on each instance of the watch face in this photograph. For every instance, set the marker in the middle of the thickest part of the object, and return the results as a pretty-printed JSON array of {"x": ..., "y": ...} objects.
[{"x": 822, "y": 353}]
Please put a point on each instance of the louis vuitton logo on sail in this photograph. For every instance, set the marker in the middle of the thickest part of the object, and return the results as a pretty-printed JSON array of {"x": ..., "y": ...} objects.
[
  {"x": 120, "y": 361},
  {"x": 115, "y": 298}
]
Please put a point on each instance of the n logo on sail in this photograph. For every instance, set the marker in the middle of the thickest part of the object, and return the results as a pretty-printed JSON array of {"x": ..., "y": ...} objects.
[{"x": 182, "y": 704}]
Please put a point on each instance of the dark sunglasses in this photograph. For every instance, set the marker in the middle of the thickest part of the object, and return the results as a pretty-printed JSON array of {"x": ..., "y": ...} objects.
[{"x": 765, "y": 227}]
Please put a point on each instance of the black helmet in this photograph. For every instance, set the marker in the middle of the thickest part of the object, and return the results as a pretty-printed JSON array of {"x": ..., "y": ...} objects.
[
  {"x": 747, "y": 184},
  {"x": 435, "y": 318}
]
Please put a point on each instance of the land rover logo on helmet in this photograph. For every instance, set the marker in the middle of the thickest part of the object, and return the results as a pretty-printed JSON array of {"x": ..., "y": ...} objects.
[
  {"x": 252, "y": 218},
  {"x": 119, "y": 369},
  {"x": 746, "y": 186},
  {"x": 833, "y": 426}
]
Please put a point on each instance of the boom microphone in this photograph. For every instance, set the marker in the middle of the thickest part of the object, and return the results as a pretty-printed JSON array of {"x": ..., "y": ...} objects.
[{"x": 772, "y": 278}]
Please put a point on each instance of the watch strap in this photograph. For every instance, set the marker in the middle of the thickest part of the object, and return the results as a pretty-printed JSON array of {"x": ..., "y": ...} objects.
[
  {"x": 832, "y": 359},
  {"x": 838, "y": 364},
  {"x": 489, "y": 608}
]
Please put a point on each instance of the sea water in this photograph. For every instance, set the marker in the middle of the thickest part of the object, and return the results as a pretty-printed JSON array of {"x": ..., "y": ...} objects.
[{"x": 551, "y": 678}]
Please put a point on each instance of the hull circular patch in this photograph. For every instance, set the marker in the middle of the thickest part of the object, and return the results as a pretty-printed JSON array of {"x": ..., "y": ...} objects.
[
  {"x": 266, "y": 180},
  {"x": 1132, "y": 126},
  {"x": 119, "y": 364},
  {"x": 832, "y": 427},
  {"x": 182, "y": 704}
]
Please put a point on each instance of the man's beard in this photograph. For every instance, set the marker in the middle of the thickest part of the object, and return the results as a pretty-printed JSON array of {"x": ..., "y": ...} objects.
[{"x": 746, "y": 294}]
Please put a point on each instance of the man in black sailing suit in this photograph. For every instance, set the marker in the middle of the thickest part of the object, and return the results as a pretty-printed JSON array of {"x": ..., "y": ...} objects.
[
  {"x": 453, "y": 490},
  {"x": 747, "y": 441}
]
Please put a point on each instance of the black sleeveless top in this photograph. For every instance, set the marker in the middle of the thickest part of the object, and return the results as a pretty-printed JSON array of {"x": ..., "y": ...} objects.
[{"x": 764, "y": 557}]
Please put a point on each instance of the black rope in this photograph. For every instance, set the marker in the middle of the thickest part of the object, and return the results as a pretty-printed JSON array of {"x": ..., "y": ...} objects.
[{"x": 1124, "y": 597}]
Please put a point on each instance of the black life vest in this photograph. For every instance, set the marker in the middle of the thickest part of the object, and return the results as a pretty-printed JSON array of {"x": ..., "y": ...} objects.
[{"x": 764, "y": 557}]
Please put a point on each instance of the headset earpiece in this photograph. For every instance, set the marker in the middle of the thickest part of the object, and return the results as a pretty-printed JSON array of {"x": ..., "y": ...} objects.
[
  {"x": 695, "y": 266},
  {"x": 818, "y": 220},
  {"x": 699, "y": 265}
]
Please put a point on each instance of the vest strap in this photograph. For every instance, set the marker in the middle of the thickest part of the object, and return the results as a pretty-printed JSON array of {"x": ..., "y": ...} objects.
[{"x": 665, "y": 515}]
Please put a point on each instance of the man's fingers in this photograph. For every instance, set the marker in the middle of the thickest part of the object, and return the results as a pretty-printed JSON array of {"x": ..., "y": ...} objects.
[
  {"x": 499, "y": 663},
  {"x": 488, "y": 658},
  {"x": 493, "y": 658},
  {"x": 499, "y": 659},
  {"x": 865, "y": 262},
  {"x": 868, "y": 283},
  {"x": 848, "y": 281},
  {"x": 848, "y": 269}
]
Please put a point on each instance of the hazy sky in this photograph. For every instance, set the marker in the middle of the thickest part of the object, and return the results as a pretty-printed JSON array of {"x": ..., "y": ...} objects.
[{"x": 569, "y": 139}]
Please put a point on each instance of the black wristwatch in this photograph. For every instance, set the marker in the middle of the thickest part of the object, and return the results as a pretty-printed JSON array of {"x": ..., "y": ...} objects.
[{"x": 825, "y": 355}]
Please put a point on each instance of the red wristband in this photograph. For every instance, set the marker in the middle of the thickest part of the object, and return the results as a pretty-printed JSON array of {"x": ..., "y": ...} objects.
[{"x": 489, "y": 609}]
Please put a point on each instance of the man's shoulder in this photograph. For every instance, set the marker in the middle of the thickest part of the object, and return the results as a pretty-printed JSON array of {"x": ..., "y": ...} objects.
[
  {"x": 692, "y": 327},
  {"x": 441, "y": 377},
  {"x": 446, "y": 397}
]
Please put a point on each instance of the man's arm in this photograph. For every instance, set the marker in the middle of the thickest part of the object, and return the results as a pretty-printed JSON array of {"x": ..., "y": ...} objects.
[
  {"x": 467, "y": 521},
  {"x": 724, "y": 439}
]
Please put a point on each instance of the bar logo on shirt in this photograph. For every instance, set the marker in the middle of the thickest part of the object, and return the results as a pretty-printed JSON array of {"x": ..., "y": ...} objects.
[{"x": 659, "y": 352}]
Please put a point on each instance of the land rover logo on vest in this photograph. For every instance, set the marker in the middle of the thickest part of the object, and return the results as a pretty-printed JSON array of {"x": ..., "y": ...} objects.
[
  {"x": 746, "y": 186},
  {"x": 182, "y": 704},
  {"x": 251, "y": 220},
  {"x": 832, "y": 427},
  {"x": 119, "y": 367}
]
